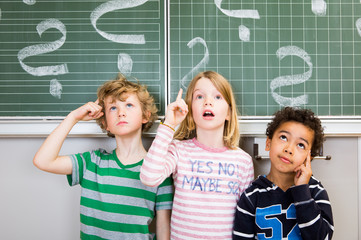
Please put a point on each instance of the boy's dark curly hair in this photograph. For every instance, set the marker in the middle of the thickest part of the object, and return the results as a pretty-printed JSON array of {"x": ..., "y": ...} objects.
[{"x": 304, "y": 116}]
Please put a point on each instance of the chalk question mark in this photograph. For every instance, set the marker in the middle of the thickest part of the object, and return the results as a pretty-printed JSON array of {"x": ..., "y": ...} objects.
[
  {"x": 289, "y": 80},
  {"x": 44, "y": 48},
  {"x": 201, "y": 64},
  {"x": 124, "y": 60},
  {"x": 55, "y": 86}
]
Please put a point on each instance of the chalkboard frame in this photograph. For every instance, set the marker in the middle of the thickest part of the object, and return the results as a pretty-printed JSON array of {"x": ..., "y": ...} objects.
[{"x": 256, "y": 127}]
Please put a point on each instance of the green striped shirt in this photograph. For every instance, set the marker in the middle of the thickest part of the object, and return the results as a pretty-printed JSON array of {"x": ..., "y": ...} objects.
[{"x": 114, "y": 203}]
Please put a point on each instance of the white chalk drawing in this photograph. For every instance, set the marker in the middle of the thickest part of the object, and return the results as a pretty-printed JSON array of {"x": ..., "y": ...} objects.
[
  {"x": 358, "y": 26},
  {"x": 29, "y": 2},
  {"x": 289, "y": 80},
  {"x": 201, "y": 64},
  {"x": 319, "y": 7},
  {"x": 45, "y": 48},
  {"x": 117, "y": 5},
  {"x": 244, "y": 33},
  {"x": 55, "y": 88},
  {"x": 0, "y": 14},
  {"x": 125, "y": 64},
  {"x": 239, "y": 13}
]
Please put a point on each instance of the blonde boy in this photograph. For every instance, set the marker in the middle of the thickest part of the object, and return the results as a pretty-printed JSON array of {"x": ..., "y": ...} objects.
[{"x": 114, "y": 203}]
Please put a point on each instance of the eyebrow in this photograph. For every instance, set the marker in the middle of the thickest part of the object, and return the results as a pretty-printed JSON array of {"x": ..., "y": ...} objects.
[
  {"x": 303, "y": 139},
  {"x": 109, "y": 102},
  {"x": 202, "y": 91}
]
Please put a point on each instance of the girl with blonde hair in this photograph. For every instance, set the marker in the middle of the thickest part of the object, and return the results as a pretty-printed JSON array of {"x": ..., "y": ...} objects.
[{"x": 210, "y": 171}]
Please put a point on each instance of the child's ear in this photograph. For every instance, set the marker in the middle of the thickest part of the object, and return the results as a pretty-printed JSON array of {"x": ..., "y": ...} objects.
[
  {"x": 105, "y": 124},
  {"x": 228, "y": 117},
  {"x": 147, "y": 116},
  {"x": 268, "y": 144}
]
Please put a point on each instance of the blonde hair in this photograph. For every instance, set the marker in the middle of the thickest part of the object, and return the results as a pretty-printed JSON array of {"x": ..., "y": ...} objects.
[
  {"x": 187, "y": 128},
  {"x": 118, "y": 89}
]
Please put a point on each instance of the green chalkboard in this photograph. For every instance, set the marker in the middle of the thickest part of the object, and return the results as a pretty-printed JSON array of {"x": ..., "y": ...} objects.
[
  {"x": 55, "y": 54},
  {"x": 274, "y": 53}
]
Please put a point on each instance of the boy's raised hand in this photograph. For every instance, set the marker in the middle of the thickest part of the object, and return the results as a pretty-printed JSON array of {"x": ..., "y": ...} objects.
[
  {"x": 303, "y": 172},
  {"x": 89, "y": 111},
  {"x": 176, "y": 111}
]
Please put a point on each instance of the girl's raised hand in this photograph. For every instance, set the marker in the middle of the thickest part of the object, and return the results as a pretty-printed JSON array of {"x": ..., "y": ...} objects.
[
  {"x": 89, "y": 111},
  {"x": 176, "y": 111},
  {"x": 303, "y": 172}
]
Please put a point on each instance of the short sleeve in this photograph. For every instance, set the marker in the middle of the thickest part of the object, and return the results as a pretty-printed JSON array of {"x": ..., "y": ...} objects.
[
  {"x": 164, "y": 198},
  {"x": 78, "y": 163}
]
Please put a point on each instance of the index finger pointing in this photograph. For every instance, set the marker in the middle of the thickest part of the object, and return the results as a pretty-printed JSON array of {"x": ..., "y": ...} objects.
[{"x": 179, "y": 97}]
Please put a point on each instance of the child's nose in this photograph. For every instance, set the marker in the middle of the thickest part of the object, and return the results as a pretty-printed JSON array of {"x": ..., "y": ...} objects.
[
  {"x": 121, "y": 113},
  {"x": 208, "y": 101},
  {"x": 288, "y": 149}
]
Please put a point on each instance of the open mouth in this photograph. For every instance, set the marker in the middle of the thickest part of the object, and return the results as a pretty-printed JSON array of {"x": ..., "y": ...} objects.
[{"x": 208, "y": 114}]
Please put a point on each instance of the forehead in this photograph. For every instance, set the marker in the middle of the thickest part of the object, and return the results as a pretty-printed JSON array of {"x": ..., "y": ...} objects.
[
  {"x": 124, "y": 97},
  {"x": 297, "y": 130},
  {"x": 204, "y": 84}
]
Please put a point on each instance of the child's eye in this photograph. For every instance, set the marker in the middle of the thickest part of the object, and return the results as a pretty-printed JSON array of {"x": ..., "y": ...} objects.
[
  {"x": 199, "y": 97},
  {"x": 112, "y": 108},
  {"x": 283, "y": 137},
  {"x": 129, "y": 105},
  {"x": 218, "y": 97},
  {"x": 301, "y": 145}
]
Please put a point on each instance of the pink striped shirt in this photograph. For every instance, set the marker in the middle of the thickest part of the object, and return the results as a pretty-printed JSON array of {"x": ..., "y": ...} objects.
[{"x": 208, "y": 182}]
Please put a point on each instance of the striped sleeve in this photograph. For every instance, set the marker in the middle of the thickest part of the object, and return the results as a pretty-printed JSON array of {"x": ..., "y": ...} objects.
[
  {"x": 78, "y": 163},
  {"x": 164, "y": 198},
  {"x": 244, "y": 220},
  {"x": 314, "y": 213},
  {"x": 247, "y": 177},
  {"x": 161, "y": 159}
]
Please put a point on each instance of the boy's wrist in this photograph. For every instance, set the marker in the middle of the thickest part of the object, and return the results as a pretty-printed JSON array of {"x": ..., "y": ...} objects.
[{"x": 71, "y": 117}]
